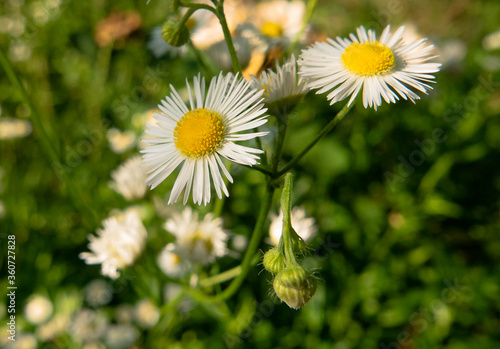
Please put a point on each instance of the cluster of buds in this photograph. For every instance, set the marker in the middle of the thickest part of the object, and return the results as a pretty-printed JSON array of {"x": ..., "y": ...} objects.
[{"x": 292, "y": 283}]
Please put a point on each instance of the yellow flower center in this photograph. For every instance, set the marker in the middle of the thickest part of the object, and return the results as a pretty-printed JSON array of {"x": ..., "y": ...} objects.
[
  {"x": 368, "y": 58},
  {"x": 198, "y": 132},
  {"x": 271, "y": 29},
  {"x": 190, "y": 23},
  {"x": 201, "y": 239}
]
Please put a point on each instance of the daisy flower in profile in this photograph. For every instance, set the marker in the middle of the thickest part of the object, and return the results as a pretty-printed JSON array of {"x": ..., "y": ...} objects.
[
  {"x": 129, "y": 179},
  {"x": 118, "y": 244},
  {"x": 283, "y": 90},
  {"x": 197, "y": 240},
  {"x": 199, "y": 137},
  {"x": 304, "y": 226},
  {"x": 384, "y": 68}
]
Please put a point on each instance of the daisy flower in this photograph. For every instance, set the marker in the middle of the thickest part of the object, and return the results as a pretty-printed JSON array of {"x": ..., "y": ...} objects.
[
  {"x": 304, "y": 226},
  {"x": 283, "y": 89},
  {"x": 199, "y": 136},
  {"x": 171, "y": 263},
  {"x": 199, "y": 241},
  {"x": 12, "y": 128},
  {"x": 159, "y": 47},
  {"x": 279, "y": 21},
  {"x": 385, "y": 68},
  {"x": 129, "y": 179},
  {"x": 118, "y": 244}
]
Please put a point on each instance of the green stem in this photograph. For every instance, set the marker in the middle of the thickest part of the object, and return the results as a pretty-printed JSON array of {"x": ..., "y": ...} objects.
[
  {"x": 327, "y": 129},
  {"x": 227, "y": 36},
  {"x": 226, "y": 275},
  {"x": 47, "y": 143},
  {"x": 247, "y": 259},
  {"x": 278, "y": 147},
  {"x": 309, "y": 11},
  {"x": 286, "y": 207}
]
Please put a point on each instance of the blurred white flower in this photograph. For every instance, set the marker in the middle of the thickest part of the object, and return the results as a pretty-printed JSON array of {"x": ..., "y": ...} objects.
[
  {"x": 98, "y": 293},
  {"x": 280, "y": 20},
  {"x": 199, "y": 241},
  {"x": 38, "y": 309},
  {"x": 451, "y": 52},
  {"x": 240, "y": 242},
  {"x": 492, "y": 41},
  {"x": 11, "y": 128},
  {"x": 118, "y": 244},
  {"x": 121, "y": 336},
  {"x": 124, "y": 313},
  {"x": 147, "y": 313},
  {"x": 129, "y": 179},
  {"x": 88, "y": 326},
  {"x": 53, "y": 328},
  {"x": 171, "y": 262},
  {"x": 304, "y": 226},
  {"x": 24, "y": 341},
  {"x": 120, "y": 142}
]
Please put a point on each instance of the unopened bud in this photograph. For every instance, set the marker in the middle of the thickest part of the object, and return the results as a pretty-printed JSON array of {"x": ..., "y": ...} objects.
[
  {"x": 274, "y": 261},
  {"x": 174, "y": 33},
  {"x": 295, "y": 286}
]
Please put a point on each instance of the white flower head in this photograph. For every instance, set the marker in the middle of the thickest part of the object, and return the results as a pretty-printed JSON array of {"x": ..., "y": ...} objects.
[
  {"x": 283, "y": 88},
  {"x": 121, "y": 336},
  {"x": 38, "y": 309},
  {"x": 118, "y": 244},
  {"x": 171, "y": 263},
  {"x": 119, "y": 141},
  {"x": 56, "y": 326},
  {"x": 199, "y": 241},
  {"x": 11, "y": 128},
  {"x": 304, "y": 226},
  {"x": 279, "y": 20},
  {"x": 147, "y": 313},
  {"x": 88, "y": 325},
  {"x": 98, "y": 293},
  {"x": 129, "y": 179},
  {"x": 386, "y": 68},
  {"x": 199, "y": 137}
]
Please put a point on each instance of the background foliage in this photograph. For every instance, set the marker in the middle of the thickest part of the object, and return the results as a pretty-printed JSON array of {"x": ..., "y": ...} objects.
[{"x": 408, "y": 253}]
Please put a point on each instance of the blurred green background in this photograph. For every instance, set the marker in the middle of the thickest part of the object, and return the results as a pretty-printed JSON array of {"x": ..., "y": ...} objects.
[{"x": 408, "y": 245}]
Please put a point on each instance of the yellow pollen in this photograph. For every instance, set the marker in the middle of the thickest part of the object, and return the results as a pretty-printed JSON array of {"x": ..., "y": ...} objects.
[
  {"x": 271, "y": 29},
  {"x": 368, "y": 58},
  {"x": 198, "y": 132},
  {"x": 199, "y": 238}
]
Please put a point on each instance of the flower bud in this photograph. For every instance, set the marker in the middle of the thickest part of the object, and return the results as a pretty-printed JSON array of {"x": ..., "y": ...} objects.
[
  {"x": 274, "y": 261},
  {"x": 295, "y": 297},
  {"x": 175, "y": 34}
]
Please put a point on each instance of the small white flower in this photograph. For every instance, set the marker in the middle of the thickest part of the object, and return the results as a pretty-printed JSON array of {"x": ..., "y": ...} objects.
[
  {"x": 120, "y": 142},
  {"x": 304, "y": 226},
  {"x": 121, "y": 336},
  {"x": 124, "y": 313},
  {"x": 98, "y": 293},
  {"x": 56, "y": 326},
  {"x": 147, "y": 313},
  {"x": 88, "y": 325},
  {"x": 171, "y": 263},
  {"x": 199, "y": 241},
  {"x": 38, "y": 309},
  {"x": 491, "y": 41},
  {"x": 11, "y": 128},
  {"x": 279, "y": 20},
  {"x": 118, "y": 244},
  {"x": 198, "y": 137},
  {"x": 384, "y": 68},
  {"x": 129, "y": 179},
  {"x": 283, "y": 89}
]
